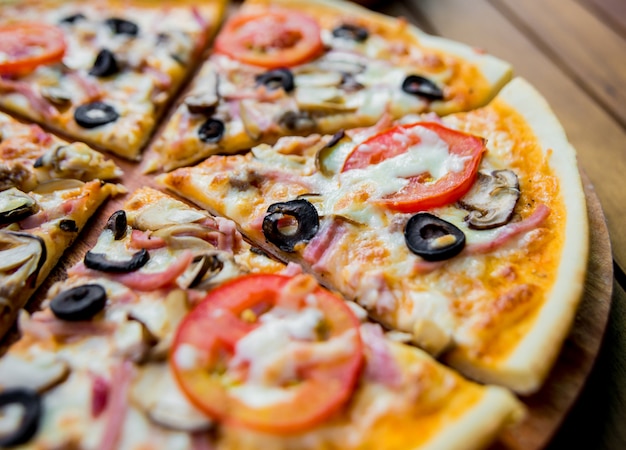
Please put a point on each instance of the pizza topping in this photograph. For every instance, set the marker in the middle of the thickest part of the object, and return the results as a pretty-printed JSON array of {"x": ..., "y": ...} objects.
[
  {"x": 40, "y": 374},
  {"x": 422, "y": 87},
  {"x": 300, "y": 122},
  {"x": 211, "y": 131},
  {"x": 491, "y": 200},
  {"x": 278, "y": 226},
  {"x": 205, "y": 98},
  {"x": 99, "y": 261},
  {"x": 118, "y": 224},
  {"x": 95, "y": 114},
  {"x": 204, "y": 267},
  {"x": 415, "y": 167},
  {"x": 25, "y": 406},
  {"x": 15, "y": 205},
  {"x": 381, "y": 366},
  {"x": 432, "y": 238},
  {"x": 122, "y": 26},
  {"x": 21, "y": 257},
  {"x": 79, "y": 303},
  {"x": 104, "y": 65},
  {"x": 57, "y": 95},
  {"x": 276, "y": 79},
  {"x": 72, "y": 19},
  {"x": 273, "y": 39},
  {"x": 68, "y": 225},
  {"x": 26, "y": 46},
  {"x": 351, "y": 31},
  {"x": 75, "y": 161},
  {"x": 261, "y": 351},
  {"x": 326, "y": 158}
]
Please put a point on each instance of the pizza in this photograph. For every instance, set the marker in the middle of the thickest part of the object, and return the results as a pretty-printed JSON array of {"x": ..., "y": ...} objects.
[
  {"x": 49, "y": 189},
  {"x": 101, "y": 72},
  {"x": 363, "y": 236},
  {"x": 117, "y": 357},
  {"x": 285, "y": 68},
  {"x": 469, "y": 231}
]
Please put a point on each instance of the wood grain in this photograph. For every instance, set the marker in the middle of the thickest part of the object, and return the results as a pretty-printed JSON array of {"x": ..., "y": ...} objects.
[
  {"x": 612, "y": 11},
  {"x": 556, "y": 24}
]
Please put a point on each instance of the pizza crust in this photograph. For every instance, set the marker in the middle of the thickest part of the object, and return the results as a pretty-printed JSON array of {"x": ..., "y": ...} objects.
[{"x": 526, "y": 367}]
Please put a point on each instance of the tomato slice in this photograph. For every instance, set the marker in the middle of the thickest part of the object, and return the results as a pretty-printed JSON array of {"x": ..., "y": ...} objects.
[
  {"x": 422, "y": 192},
  {"x": 278, "y": 38},
  {"x": 27, "y": 45},
  {"x": 266, "y": 360}
]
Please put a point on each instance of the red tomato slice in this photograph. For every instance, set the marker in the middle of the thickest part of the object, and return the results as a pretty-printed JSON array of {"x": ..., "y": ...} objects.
[
  {"x": 274, "y": 39},
  {"x": 321, "y": 386},
  {"x": 26, "y": 46},
  {"x": 422, "y": 193}
]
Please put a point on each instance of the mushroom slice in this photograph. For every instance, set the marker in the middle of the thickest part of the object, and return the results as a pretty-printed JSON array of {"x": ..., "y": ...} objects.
[
  {"x": 491, "y": 200},
  {"x": 54, "y": 186},
  {"x": 15, "y": 205},
  {"x": 40, "y": 374},
  {"x": 322, "y": 99},
  {"x": 318, "y": 79},
  {"x": 76, "y": 161},
  {"x": 21, "y": 257},
  {"x": 210, "y": 269},
  {"x": 163, "y": 214},
  {"x": 156, "y": 393},
  {"x": 57, "y": 95},
  {"x": 204, "y": 100}
]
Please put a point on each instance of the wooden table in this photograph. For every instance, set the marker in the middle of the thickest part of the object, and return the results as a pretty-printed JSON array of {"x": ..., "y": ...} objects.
[{"x": 574, "y": 53}]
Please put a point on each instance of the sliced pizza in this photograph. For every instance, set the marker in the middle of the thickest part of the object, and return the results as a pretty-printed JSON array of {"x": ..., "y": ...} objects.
[
  {"x": 49, "y": 189},
  {"x": 102, "y": 71},
  {"x": 283, "y": 68},
  {"x": 468, "y": 232},
  {"x": 130, "y": 352}
]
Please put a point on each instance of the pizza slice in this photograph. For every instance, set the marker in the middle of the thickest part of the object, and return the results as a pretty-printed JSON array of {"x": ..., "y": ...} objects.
[
  {"x": 314, "y": 66},
  {"x": 130, "y": 352},
  {"x": 468, "y": 232},
  {"x": 101, "y": 72},
  {"x": 49, "y": 189}
]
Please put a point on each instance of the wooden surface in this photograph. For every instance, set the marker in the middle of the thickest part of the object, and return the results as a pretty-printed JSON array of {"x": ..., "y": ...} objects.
[{"x": 574, "y": 53}]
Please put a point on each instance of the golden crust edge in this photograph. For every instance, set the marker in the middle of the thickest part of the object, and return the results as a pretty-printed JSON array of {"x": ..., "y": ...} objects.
[{"x": 527, "y": 367}]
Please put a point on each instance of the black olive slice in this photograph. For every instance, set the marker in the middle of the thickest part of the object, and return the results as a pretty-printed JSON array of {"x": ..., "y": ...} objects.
[
  {"x": 98, "y": 261},
  {"x": 305, "y": 215},
  {"x": 276, "y": 79},
  {"x": 79, "y": 303},
  {"x": 211, "y": 131},
  {"x": 105, "y": 64},
  {"x": 422, "y": 87},
  {"x": 95, "y": 114},
  {"x": 117, "y": 223},
  {"x": 31, "y": 402},
  {"x": 73, "y": 18},
  {"x": 68, "y": 225},
  {"x": 352, "y": 32},
  {"x": 122, "y": 26},
  {"x": 432, "y": 238}
]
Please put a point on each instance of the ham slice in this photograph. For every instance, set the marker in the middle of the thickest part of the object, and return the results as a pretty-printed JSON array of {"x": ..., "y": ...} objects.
[
  {"x": 117, "y": 405},
  {"x": 99, "y": 395},
  {"x": 36, "y": 101},
  {"x": 141, "y": 239},
  {"x": 380, "y": 367},
  {"x": 319, "y": 250}
]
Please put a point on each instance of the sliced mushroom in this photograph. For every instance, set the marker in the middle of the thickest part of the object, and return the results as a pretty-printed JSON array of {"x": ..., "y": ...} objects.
[
  {"x": 53, "y": 186},
  {"x": 164, "y": 214},
  {"x": 342, "y": 62},
  {"x": 205, "y": 98},
  {"x": 209, "y": 270},
  {"x": 76, "y": 161},
  {"x": 39, "y": 374},
  {"x": 21, "y": 257},
  {"x": 57, "y": 95},
  {"x": 491, "y": 200},
  {"x": 15, "y": 205},
  {"x": 318, "y": 79},
  {"x": 322, "y": 99},
  {"x": 16, "y": 174},
  {"x": 133, "y": 340},
  {"x": 300, "y": 122},
  {"x": 156, "y": 393}
]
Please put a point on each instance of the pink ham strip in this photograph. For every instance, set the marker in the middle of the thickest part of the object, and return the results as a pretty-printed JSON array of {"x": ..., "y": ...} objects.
[
  {"x": 140, "y": 281},
  {"x": 229, "y": 240},
  {"x": 292, "y": 269},
  {"x": 508, "y": 232},
  {"x": 317, "y": 252},
  {"x": 513, "y": 229},
  {"x": 141, "y": 239},
  {"x": 44, "y": 325},
  {"x": 99, "y": 395},
  {"x": 152, "y": 281},
  {"x": 261, "y": 94},
  {"x": 41, "y": 136},
  {"x": 37, "y": 102},
  {"x": 118, "y": 405},
  {"x": 380, "y": 367},
  {"x": 163, "y": 80},
  {"x": 91, "y": 90}
]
